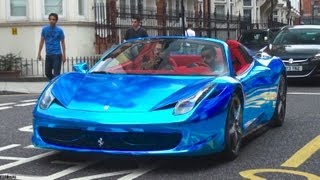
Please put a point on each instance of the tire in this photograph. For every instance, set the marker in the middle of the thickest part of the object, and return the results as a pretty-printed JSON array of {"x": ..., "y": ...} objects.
[
  {"x": 280, "y": 109},
  {"x": 233, "y": 130}
]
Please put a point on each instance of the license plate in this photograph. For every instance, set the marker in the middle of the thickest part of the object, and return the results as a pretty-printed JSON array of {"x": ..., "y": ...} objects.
[{"x": 294, "y": 68}]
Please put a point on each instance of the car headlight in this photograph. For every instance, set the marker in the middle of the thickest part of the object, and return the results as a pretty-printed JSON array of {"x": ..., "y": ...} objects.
[
  {"x": 316, "y": 57},
  {"x": 186, "y": 105},
  {"x": 47, "y": 99}
]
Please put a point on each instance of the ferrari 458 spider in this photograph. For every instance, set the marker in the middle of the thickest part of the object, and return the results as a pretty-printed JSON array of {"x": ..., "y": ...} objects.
[{"x": 163, "y": 96}]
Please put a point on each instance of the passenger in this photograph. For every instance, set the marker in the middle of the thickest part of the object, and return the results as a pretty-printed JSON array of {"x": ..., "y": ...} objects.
[{"x": 157, "y": 60}]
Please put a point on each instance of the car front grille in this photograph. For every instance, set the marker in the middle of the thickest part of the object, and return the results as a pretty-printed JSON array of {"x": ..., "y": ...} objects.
[{"x": 121, "y": 141}]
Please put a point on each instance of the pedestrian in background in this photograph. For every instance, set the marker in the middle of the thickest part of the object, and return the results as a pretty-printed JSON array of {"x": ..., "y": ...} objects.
[
  {"x": 190, "y": 31},
  {"x": 136, "y": 30},
  {"x": 53, "y": 37}
]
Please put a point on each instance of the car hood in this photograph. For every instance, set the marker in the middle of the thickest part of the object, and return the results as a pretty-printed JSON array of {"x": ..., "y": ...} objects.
[
  {"x": 120, "y": 93},
  {"x": 295, "y": 51}
]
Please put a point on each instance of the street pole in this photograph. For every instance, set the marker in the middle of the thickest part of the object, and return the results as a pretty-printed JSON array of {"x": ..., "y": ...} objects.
[
  {"x": 182, "y": 17},
  {"x": 300, "y": 10},
  {"x": 312, "y": 11},
  {"x": 271, "y": 15}
]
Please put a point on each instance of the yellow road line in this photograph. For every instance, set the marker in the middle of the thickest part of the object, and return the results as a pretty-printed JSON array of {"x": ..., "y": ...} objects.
[{"x": 303, "y": 154}]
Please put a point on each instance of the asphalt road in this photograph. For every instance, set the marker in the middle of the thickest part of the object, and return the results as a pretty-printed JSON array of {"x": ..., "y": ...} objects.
[{"x": 289, "y": 152}]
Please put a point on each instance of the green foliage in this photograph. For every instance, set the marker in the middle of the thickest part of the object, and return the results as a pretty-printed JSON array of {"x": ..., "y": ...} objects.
[{"x": 10, "y": 62}]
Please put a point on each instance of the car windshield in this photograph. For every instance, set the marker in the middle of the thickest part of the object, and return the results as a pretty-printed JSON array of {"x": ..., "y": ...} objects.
[
  {"x": 166, "y": 57},
  {"x": 298, "y": 36},
  {"x": 254, "y": 38}
]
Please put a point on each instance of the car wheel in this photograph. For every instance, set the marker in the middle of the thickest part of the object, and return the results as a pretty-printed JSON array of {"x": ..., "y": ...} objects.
[
  {"x": 280, "y": 110},
  {"x": 233, "y": 133}
]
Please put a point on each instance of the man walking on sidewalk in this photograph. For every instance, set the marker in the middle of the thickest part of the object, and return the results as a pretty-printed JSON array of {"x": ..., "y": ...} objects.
[
  {"x": 136, "y": 30},
  {"x": 52, "y": 36}
]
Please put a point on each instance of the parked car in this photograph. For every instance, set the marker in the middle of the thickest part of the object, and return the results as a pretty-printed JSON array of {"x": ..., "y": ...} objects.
[
  {"x": 299, "y": 48},
  {"x": 179, "y": 104},
  {"x": 256, "y": 39}
]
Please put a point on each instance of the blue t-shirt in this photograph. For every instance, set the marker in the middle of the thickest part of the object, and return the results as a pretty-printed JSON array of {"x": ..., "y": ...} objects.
[{"x": 52, "y": 37}]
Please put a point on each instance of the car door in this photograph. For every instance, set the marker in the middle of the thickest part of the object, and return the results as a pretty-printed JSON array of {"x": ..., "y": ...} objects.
[{"x": 252, "y": 76}]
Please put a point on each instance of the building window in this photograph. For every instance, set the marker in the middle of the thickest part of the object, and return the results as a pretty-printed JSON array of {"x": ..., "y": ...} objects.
[
  {"x": 81, "y": 7},
  {"x": 18, "y": 8},
  {"x": 247, "y": 13},
  {"x": 133, "y": 6},
  {"x": 53, "y": 6},
  {"x": 220, "y": 10},
  {"x": 275, "y": 12},
  {"x": 247, "y": 3}
]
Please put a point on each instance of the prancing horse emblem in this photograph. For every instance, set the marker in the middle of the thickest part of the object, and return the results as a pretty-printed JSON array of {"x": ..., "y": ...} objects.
[{"x": 100, "y": 142}]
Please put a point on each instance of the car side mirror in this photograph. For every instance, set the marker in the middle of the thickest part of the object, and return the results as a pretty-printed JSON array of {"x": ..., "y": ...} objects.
[{"x": 80, "y": 67}]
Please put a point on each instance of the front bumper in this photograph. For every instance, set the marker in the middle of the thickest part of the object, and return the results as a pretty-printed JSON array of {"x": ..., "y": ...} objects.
[
  {"x": 302, "y": 69},
  {"x": 82, "y": 134}
]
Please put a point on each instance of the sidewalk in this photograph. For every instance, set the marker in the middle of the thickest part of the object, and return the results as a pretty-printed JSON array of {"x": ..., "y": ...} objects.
[{"x": 21, "y": 87}]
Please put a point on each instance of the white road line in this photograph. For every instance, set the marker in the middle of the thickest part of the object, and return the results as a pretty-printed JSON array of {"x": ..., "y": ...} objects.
[
  {"x": 29, "y": 100},
  {"x": 11, "y": 158},
  {"x": 27, "y": 129},
  {"x": 303, "y": 93},
  {"x": 71, "y": 170},
  {"x": 9, "y": 147},
  {"x": 25, "y": 104},
  {"x": 98, "y": 176},
  {"x": 7, "y": 104},
  {"x": 26, "y": 160},
  {"x": 138, "y": 172},
  {"x": 30, "y": 147},
  {"x": 5, "y": 107},
  {"x": 23, "y": 177}
]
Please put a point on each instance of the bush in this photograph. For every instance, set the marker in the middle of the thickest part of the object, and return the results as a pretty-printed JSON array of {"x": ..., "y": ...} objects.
[{"x": 10, "y": 62}]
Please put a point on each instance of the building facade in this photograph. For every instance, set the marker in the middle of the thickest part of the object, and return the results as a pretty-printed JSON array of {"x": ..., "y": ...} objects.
[
  {"x": 21, "y": 22},
  {"x": 82, "y": 20}
]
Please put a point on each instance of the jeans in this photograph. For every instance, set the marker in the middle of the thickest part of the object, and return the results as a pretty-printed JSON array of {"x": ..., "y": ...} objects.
[{"x": 53, "y": 62}]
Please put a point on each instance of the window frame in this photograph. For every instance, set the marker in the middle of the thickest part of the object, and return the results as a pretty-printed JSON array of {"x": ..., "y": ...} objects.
[
  {"x": 61, "y": 16},
  {"x": 16, "y": 18}
]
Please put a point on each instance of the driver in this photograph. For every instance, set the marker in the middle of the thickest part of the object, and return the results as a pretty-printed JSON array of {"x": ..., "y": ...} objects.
[{"x": 208, "y": 55}]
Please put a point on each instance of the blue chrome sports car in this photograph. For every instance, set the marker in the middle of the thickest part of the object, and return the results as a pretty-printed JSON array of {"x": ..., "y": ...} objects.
[{"x": 163, "y": 95}]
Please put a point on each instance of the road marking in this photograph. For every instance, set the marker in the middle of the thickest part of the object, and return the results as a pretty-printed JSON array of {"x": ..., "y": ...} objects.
[
  {"x": 303, "y": 93},
  {"x": 26, "y": 160},
  {"x": 130, "y": 174},
  {"x": 31, "y": 147},
  {"x": 138, "y": 172},
  {"x": 10, "y": 158},
  {"x": 7, "y": 104},
  {"x": 251, "y": 174},
  {"x": 71, "y": 170},
  {"x": 9, "y": 147},
  {"x": 30, "y": 100},
  {"x": 25, "y": 104},
  {"x": 5, "y": 107},
  {"x": 27, "y": 129},
  {"x": 23, "y": 177},
  {"x": 98, "y": 176},
  {"x": 303, "y": 154}
]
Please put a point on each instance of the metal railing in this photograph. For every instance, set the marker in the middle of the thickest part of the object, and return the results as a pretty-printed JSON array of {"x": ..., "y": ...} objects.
[{"x": 36, "y": 68}]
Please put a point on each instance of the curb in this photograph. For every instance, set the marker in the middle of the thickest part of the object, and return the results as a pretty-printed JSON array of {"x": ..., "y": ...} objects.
[
  {"x": 10, "y": 92},
  {"x": 24, "y": 79}
]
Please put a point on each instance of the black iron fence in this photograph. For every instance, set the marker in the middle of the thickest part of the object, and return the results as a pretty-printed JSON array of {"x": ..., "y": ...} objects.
[
  {"x": 36, "y": 68},
  {"x": 112, "y": 22}
]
